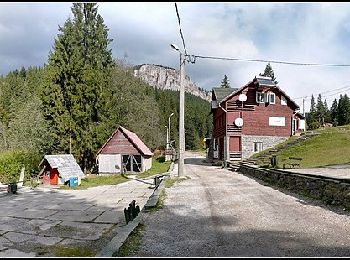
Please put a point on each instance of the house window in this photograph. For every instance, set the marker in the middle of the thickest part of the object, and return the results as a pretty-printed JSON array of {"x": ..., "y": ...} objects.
[
  {"x": 272, "y": 98},
  {"x": 261, "y": 97},
  {"x": 283, "y": 101},
  {"x": 258, "y": 147}
]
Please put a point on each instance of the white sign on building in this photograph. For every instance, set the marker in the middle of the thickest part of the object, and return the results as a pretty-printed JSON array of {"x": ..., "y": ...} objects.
[{"x": 277, "y": 121}]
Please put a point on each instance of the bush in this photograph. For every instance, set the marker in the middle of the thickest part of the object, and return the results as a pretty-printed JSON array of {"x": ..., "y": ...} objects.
[
  {"x": 11, "y": 163},
  {"x": 161, "y": 159},
  {"x": 313, "y": 125}
]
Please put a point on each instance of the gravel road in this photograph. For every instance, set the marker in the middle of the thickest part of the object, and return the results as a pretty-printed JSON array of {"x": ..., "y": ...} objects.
[{"x": 226, "y": 214}]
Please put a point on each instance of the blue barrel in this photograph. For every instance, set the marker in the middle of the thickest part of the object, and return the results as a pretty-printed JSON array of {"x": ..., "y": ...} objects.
[{"x": 73, "y": 181}]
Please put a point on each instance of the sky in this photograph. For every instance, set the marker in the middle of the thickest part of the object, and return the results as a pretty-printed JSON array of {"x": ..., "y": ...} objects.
[{"x": 142, "y": 34}]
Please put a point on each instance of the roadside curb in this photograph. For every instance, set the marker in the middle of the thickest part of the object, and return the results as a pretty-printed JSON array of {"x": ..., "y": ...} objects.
[{"x": 124, "y": 231}]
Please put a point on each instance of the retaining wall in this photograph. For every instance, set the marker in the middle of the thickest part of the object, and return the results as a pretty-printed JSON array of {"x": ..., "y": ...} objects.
[{"x": 329, "y": 190}]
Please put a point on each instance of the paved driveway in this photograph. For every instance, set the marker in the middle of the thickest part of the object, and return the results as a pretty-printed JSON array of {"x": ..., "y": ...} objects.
[
  {"x": 40, "y": 222},
  {"x": 226, "y": 214}
]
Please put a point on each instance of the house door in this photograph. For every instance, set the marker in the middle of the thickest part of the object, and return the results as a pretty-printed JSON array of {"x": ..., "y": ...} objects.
[
  {"x": 235, "y": 148},
  {"x": 54, "y": 177},
  {"x": 132, "y": 163}
]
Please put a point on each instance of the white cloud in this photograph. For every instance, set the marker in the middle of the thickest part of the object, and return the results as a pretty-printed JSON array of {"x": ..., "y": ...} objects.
[{"x": 299, "y": 32}]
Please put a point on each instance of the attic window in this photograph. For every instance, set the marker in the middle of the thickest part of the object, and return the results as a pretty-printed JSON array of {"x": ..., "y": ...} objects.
[
  {"x": 272, "y": 98},
  {"x": 261, "y": 97},
  {"x": 283, "y": 100}
]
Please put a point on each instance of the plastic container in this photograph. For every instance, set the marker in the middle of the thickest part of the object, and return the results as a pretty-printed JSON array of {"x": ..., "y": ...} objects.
[{"x": 73, "y": 181}]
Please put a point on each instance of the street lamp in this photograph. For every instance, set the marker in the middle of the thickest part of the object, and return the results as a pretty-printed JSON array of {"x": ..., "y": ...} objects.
[
  {"x": 168, "y": 138},
  {"x": 182, "y": 113}
]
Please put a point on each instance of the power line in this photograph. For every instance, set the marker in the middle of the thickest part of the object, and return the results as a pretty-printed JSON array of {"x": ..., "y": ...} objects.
[
  {"x": 345, "y": 88},
  {"x": 182, "y": 37},
  {"x": 270, "y": 61}
]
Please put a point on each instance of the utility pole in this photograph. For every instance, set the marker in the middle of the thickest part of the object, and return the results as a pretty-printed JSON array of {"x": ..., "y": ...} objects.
[{"x": 182, "y": 116}]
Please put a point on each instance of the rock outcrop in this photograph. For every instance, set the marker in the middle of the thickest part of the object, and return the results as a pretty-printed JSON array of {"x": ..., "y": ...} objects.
[{"x": 162, "y": 77}]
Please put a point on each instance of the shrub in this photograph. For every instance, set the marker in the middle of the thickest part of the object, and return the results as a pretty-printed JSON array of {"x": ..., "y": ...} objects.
[
  {"x": 11, "y": 163},
  {"x": 161, "y": 159}
]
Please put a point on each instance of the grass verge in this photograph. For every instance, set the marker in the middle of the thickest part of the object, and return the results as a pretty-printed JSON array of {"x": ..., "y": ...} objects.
[
  {"x": 62, "y": 251},
  {"x": 132, "y": 243},
  {"x": 95, "y": 180}
]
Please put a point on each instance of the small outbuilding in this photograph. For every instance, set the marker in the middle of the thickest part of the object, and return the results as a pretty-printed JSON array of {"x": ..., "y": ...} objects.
[
  {"x": 59, "y": 169},
  {"x": 123, "y": 151}
]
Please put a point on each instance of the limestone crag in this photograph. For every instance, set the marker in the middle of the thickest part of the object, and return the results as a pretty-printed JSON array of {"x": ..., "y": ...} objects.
[{"x": 164, "y": 78}]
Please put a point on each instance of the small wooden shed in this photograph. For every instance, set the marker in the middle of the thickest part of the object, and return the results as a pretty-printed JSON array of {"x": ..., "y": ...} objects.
[
  {"x": 123, "y": 149},
  {"x": 59, "y": 168}
]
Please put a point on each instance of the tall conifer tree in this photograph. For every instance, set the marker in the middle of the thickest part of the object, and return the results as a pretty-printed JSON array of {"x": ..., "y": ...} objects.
[{"x": 75, "y": 88}]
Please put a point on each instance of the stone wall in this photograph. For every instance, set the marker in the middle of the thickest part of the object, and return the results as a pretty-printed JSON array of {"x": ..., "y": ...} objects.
[
  {"x": 268, "y": 142},
  {"x": 329, "y": 190}
]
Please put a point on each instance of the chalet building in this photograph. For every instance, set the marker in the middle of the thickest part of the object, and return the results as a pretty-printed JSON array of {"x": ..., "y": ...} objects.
[
  {"x": 252, "y": 118},
  {"x": 123, "y": 151}
]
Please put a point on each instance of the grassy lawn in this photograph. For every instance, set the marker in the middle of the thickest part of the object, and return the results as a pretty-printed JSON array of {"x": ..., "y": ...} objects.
[
  {"x": 331, "y": 147},
  {"x": 157, "y": 168},
  {"x": 95, "y": 180}
]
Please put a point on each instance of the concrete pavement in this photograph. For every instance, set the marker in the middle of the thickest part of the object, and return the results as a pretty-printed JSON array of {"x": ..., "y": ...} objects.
[{"x": 42, "y": 222}]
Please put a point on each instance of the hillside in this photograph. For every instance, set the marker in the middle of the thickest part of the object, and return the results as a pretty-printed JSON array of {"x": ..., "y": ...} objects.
[{"x": 327, "y": 146}]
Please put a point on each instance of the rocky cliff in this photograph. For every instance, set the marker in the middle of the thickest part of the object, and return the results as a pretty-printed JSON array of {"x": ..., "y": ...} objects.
[{"x": 168, "y": 78}]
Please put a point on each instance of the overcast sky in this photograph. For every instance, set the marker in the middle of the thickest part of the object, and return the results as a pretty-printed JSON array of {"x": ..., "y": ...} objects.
[{"x": 142, "y": 33}]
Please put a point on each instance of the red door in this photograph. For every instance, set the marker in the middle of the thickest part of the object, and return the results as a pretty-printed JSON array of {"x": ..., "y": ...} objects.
[
  {"x": 54, "y": 177},
  {"x": 235, "y": 147}
]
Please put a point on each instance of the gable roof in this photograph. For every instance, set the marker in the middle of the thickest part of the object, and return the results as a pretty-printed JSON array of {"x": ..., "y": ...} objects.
[
  {"x": 261, "y": 82},
  {"x": 221, "y": 93},
  {"x": 133, "y": 138},
  {"x": 65, "y": 164}
]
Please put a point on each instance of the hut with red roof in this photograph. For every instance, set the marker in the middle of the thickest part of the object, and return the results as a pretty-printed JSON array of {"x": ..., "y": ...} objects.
[{"x": 123, "y": 152}]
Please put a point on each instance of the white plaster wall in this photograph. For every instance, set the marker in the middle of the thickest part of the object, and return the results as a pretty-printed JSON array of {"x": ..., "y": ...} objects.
[
  {"x": 147, "y": 164},
  {"x": 109, "y": 163}
]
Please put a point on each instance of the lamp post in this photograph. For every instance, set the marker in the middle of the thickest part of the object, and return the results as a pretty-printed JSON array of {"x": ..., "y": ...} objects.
[
  {"x": 168, "y": 138},
  {"x": 182, "y": 113}
]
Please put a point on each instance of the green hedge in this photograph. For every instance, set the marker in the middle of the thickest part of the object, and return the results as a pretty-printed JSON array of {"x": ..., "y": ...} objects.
[{"x": 12, "y": 162}]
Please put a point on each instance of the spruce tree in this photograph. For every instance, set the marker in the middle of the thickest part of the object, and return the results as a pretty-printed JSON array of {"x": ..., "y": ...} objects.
[
  {"x": 75, "y": 89},
  {"x": 225, "y": 82},
  {"x": 334, "y": 112},
  {"x": 320, "y": 110},
  {"x": 268, "y": 72},
  {"x": 343, "y": 110}
]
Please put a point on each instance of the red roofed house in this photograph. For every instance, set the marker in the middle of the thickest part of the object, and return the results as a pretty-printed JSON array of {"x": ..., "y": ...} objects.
[
  {"x": 252, "y": 118},
  {"x": 124, "y": 147}
]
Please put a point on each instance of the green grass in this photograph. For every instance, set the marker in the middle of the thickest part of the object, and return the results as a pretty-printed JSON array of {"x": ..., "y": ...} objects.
[
  {"x": 169, "y": 182},
  {"x": 95, "y": 180},
  {"x": 157, "y": 168},
  {"x": 132, "y": 243},
  {"x": 63, "y": 251},
  {"x": 331, "y": 146}
]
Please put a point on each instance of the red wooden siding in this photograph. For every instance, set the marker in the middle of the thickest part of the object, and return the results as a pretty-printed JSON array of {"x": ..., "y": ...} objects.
[
  {"x": 256, "y": 115},
  {"x": 219, "y": 122},
  {"x": 119, "y": 144}
]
